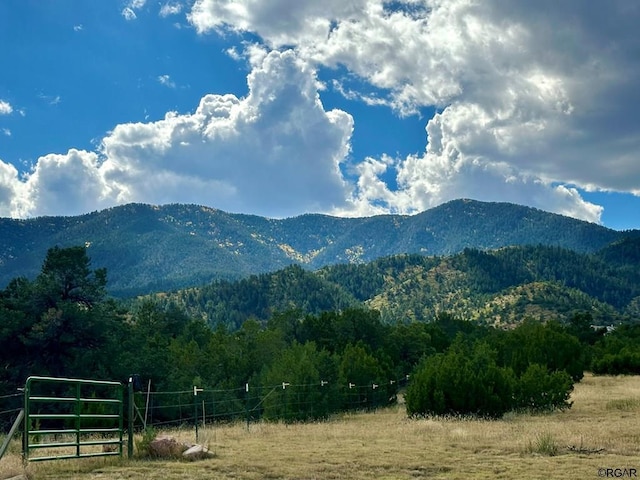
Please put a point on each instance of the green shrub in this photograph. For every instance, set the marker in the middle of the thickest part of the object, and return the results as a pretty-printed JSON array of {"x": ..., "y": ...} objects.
[
  {"x": 464, "y": 380},
  {"x": 539, "y": 390},
  {"x": 624, "y": 362}
]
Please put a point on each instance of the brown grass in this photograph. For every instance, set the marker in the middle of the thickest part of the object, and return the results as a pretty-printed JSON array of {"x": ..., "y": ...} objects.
[{"x": 601, "y": 430}]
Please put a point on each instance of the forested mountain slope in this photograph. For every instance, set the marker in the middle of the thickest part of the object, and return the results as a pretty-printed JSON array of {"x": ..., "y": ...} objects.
[
  {"x": 501, "y": 286},
  {"x": 149, "y": 248}
]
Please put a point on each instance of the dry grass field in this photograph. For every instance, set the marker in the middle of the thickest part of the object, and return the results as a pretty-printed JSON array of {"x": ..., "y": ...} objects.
[{"x": 601, "y": 430}]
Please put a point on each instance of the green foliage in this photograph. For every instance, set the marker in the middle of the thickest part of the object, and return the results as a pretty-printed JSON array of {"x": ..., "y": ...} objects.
[
  {"x": 623, "y": 252},
  {"x": 335, "y": 330},
  {"x": 624, "y": 362},
  {"x": 61, "y": 324},
  {"x": 538, "y": 389},
  {"x": 364, "y": 378},
  {"x": 302, "y": 384},
  {"x": 544, "y": 344},
  {"x": 143, "y": 444},
  {"x": 259, "y": 297},
  {"x": 364, "y": 281},
  {"x": 465, "y": 380},
  {"x": 469, "y": 379},
  {"x": 66, "y": 277},
  {"x": 408, "y": 344},
  {"x": 618, "y": 352},
  {"x": 453, "y": 326},
  {"x": 580, "y": 325}
]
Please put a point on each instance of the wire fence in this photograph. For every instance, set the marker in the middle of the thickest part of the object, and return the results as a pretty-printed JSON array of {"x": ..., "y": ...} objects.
[
  {"x": 285, "y": 401},
  {"x": 10, "y": 406},
  {"x": 288, "y": 402}
]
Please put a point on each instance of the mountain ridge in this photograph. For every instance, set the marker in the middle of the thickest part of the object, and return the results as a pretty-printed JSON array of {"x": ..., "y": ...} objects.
[{"x": 148, "y": 248}]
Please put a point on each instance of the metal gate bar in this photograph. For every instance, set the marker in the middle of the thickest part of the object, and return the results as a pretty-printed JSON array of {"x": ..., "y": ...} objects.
[{"x": 79, "y": 431}]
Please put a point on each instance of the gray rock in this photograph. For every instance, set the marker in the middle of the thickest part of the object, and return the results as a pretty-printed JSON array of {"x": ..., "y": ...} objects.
[{"x": 197, "y": 452}]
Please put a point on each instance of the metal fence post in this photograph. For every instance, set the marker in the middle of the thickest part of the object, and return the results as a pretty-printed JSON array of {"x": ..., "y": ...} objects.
[
  {"x": 25, "y": 435},
  {"x": 246, "y": 387},
  {"x": 130, "y": 424},
  {"x": 195, "y": 407}
]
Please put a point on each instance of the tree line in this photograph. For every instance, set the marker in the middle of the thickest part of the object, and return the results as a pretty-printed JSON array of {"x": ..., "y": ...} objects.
[{"x": 64, "y": 324}]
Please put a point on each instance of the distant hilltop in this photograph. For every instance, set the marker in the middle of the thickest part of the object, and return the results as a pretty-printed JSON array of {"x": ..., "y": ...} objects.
[{"x": 158, "y": 248}]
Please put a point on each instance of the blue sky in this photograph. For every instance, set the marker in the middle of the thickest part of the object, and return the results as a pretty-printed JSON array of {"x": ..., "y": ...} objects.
[{"x": 284, "y": 107}]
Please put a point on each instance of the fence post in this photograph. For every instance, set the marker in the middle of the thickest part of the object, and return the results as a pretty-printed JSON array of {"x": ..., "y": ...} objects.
[
  {"x": 11, "y": 433},
  {"x": 246, "y": 388},
  {"x": 131, "y": 413},
  {"x": 195, "y": 407},
  {"x": 25, "y": 435},
  {"x": 286, "y": 401}
]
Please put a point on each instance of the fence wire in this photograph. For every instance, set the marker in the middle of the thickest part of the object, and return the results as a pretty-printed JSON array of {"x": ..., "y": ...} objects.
[
  {"x": 285, "y": 401},
  {"x": 10, "y": 406}
]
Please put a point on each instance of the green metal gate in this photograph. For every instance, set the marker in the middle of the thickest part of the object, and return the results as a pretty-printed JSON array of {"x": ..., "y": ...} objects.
[{"x": 73, "y": 417}]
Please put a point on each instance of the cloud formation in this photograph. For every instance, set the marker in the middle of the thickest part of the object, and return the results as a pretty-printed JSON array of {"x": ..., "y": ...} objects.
[
  {"x": 170, "y": 8},
  {"x": 522, "y": 102},
  {"x": 129, "y": 11},
  {"x": 275, "y": 152},
  {"x": 532, "y": 100},
  {"x": 166, "y": 81},
  {"x": 5, "y": 107}
]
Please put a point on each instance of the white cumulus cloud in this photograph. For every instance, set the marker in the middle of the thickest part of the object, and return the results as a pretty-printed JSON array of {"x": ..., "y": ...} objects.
[
  {"x": 274, "y": 152},
  {"x": 533, "y": 99},
  {"x": 14, "y": 198}
]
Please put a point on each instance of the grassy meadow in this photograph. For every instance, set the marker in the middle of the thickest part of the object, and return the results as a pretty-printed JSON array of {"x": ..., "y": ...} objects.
[{"x": 601, "y": 430}]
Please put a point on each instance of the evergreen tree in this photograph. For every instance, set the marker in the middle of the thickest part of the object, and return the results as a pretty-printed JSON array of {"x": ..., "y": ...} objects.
[
  {"x": 301, "y": 384},
  {"x": 61, "y": 324},
  {"x": 465, "y": 380}
]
